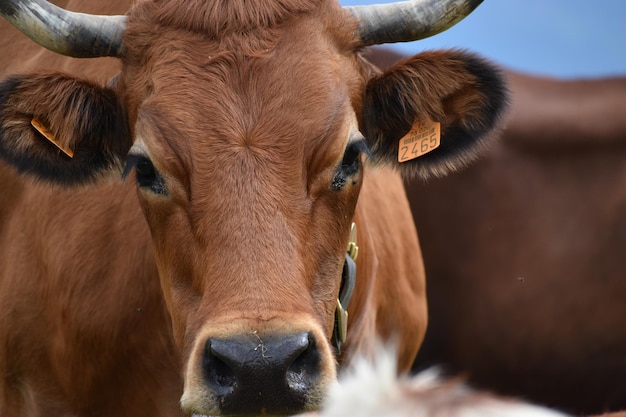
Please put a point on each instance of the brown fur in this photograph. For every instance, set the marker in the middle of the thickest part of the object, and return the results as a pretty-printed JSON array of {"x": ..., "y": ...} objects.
[
  {"x": 243, "y": 115},
  {"x": 571, "y": 116},
  {"x": 524, "y": 251},
  {"x": 223, "y": 18}
]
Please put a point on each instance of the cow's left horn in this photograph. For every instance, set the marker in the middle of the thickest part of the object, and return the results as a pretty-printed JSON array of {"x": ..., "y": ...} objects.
[
  {"x": 69, "y": 33},
  {"x": 409, "y": 20}
]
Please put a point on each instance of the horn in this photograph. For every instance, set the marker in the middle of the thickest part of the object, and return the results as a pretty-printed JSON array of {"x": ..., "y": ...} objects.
[
  {"x": 408, "y": 20},
  {"x": 68, "y": 33}
]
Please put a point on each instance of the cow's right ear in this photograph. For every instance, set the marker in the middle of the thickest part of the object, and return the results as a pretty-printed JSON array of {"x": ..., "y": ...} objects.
[{"x": 60, "y": 128}]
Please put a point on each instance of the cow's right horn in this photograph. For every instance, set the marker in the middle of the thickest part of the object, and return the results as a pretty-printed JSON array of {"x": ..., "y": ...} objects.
[
  {"x": 68, "y": 33},
  {"x": 406, "y": 21}
]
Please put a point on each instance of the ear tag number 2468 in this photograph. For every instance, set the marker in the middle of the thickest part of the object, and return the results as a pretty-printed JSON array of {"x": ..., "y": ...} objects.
[{"x": 421, "y": 139}]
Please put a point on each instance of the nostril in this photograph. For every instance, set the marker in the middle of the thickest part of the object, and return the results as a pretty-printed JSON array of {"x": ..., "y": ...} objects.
[
  {"x": 217, "y": 371},
  {"x": 304, "y": 370}
]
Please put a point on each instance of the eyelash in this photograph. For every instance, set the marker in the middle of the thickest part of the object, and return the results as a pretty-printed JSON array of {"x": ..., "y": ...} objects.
[
  {"x": 148, "y": 177},
  {"x": 146, "y": 174},
  {"x": 350, "y": 164}
]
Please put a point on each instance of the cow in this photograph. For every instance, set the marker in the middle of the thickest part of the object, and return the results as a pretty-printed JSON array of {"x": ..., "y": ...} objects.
[
  {"x": 524, "y": 250},
  {"x": 175, "y": 218}
]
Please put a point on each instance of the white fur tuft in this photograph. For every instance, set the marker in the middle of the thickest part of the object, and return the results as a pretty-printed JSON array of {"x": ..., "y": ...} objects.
[{"x": 372, "y": 389}]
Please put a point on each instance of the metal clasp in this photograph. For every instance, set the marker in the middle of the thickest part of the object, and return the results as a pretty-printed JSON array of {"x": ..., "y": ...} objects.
[
  {"x": 348, "y": 281},
  {"x": 353, "y": 248},
  {"x": 342, "y": 325}
]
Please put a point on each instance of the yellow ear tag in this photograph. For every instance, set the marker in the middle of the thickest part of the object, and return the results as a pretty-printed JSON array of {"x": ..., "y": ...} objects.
[
  {"x": 46, "y": 133},
  {"x": 421, "y": 139}
]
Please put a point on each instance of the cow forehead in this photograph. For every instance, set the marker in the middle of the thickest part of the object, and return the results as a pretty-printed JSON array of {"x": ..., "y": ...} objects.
[
  {"x": 296, "y": 114},
  {"x": 229, "y": 94},
  {"x": 236, "y": 57},
  {"x": 289, "y": 103}
]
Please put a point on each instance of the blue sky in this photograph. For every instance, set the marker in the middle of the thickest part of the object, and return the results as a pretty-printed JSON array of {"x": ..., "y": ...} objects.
[{"x": 564, "y": 38}]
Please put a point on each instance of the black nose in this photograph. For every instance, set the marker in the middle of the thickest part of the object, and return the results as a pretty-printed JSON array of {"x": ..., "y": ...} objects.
[{"x": 262, "y": 374}]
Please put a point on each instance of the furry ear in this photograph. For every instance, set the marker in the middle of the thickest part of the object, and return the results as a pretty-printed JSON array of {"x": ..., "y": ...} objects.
[
  {"x": 465, "y": 94},
  {"x": 86, "y": 121}
]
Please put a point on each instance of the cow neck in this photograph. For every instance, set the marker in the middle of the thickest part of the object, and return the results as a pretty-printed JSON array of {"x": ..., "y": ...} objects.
[{"x": 348, "y": 280}]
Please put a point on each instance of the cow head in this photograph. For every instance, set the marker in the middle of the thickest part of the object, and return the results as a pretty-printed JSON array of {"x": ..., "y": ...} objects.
[{"x": 248, "y": 131}]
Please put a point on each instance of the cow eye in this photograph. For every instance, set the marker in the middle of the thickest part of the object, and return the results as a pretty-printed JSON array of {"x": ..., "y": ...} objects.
[
  {"x": 146, "y": 174},
  {"x": 350, "y": 164}
]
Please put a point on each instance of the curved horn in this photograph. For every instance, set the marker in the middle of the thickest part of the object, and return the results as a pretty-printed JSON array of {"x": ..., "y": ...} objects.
[
  {"x": 73, "y": 34},
  {"x": 409, "y": 20}
]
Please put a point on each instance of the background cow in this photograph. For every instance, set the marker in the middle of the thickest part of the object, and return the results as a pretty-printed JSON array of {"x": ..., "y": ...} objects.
[
  {"x": 211, "y": 271},
  {"x": 524, "y": 251}
]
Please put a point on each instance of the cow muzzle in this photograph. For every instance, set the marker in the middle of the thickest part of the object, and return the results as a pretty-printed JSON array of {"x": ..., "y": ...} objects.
[
  {"x": 252, "y": 373},
  {"x": 273, "y": 374}
]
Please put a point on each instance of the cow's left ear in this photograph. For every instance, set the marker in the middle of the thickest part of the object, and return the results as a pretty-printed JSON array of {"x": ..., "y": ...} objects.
[{"x": 455, "y": 93}]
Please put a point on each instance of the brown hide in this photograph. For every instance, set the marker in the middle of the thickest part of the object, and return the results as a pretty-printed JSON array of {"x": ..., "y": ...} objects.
[
  {"x": 524, "y": 251},
  {"x": 213, "y": 267},
  {"x": 84, "y": 326},
  {"x": 97, "y": 340}
]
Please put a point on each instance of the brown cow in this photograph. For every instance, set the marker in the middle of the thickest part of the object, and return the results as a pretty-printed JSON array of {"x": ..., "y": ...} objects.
[
  {"x": 525, "y": 251},
  {"x": 210, "y": 274}
]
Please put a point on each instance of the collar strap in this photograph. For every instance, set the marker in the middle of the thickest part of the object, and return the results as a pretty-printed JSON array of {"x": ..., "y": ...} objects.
[{"x": 348, "y": 280}]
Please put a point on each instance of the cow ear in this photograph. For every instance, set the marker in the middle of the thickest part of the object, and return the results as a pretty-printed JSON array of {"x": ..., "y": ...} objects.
[
  {"x": 461, "y": 92},
  {"x": 60, "y": 128}
]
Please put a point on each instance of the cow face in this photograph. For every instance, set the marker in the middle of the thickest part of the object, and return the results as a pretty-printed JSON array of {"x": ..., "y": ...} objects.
[
  {"x": 248, "y": 145},
  {"x": 248, "y": 168}
]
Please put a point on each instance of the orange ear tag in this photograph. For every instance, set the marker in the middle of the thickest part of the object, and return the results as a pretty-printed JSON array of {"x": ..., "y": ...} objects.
[
  {"x": 421, "y": 139},
  {"x": 46, "y": 133}
]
